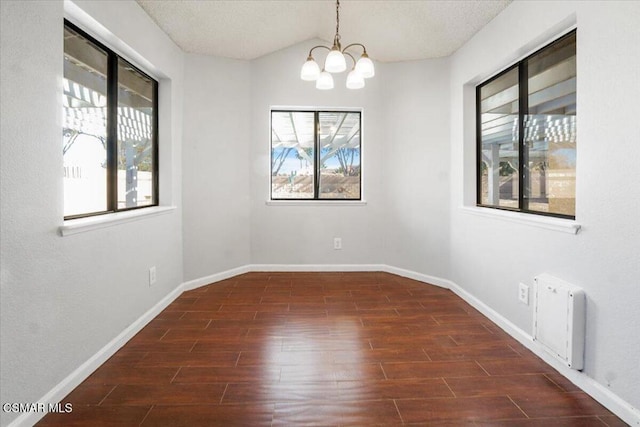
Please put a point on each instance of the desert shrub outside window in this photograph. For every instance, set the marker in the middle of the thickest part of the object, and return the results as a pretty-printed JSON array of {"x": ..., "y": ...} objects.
[
  {"x": 526, "y": 134},
  {"x": 316, "y": 155}
]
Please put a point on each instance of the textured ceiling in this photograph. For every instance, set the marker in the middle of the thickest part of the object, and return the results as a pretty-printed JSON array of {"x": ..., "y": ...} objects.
[{"x": 397, "y": 30}]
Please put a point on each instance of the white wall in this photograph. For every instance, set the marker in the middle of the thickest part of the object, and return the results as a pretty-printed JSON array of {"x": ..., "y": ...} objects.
[
  {"x": 404, "y": 222},
  {"x": 303, "y": 234},
  {"x": 405, "y": 175},
  {"x": 489, "y": 256},
  {"x": 64, "y": 298},
  {"x": 416, "y": 167},
  {"x": 215, "y": 165}
]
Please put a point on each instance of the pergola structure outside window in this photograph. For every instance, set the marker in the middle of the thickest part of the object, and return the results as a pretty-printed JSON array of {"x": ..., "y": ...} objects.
[
  {"x": 526, "y": 134},
  {"x": 110, "y": 122},
  {"x": 315, "y": 155}
]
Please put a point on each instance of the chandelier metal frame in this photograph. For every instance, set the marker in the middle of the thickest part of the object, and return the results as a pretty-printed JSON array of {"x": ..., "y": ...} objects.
[{"x": 335, "y": 62}]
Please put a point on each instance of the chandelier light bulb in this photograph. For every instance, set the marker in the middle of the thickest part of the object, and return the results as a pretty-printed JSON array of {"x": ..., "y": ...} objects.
[
  {"x": 355, "y": 80},
  {"x": 364, "y": 66},
  {"x": 335, "y": 62},
  {"x": 310, "y": 70},
  {"x": 325, "y": 81}
]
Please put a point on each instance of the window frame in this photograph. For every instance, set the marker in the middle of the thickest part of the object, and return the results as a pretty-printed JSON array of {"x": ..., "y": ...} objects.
[
  {"x": 112, "y": 130},
  {"x": 523, "y": 105},
  {"x": 317, "y": 155}
]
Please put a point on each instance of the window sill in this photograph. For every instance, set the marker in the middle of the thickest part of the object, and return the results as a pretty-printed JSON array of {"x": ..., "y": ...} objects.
[
  {"x": 316, "y": 202},
  {"x": 549, "y": 223},
  {"x": 80, "y": 225}
]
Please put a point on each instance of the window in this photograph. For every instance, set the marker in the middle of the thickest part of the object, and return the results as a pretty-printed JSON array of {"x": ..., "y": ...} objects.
[
  {"x": 526, "y": 134},
  {"x": 315, "y": 155},
  {"x": 110, "y": 122}
]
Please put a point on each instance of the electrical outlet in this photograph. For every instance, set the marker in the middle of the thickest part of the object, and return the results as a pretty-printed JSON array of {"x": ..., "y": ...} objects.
[
  {"x": 337, "y": 243},
  {"x": 152, "y": 275},
  {"x": 523, "y": 293}
]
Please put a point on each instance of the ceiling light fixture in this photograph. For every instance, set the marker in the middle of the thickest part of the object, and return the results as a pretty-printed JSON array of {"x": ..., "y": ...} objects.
[{"x": 337, "y": 63}]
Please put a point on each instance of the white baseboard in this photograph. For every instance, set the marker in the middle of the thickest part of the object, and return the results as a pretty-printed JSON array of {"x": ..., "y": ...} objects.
[
  {"x": 76, "y": 377},
  {"x": 207, "y": 280},
  {"x": 317, "y": 267},
  {"x": 432, "y": 280},
  {"x": 596, "y": 390},
  {"x": 494, "y": 316}
]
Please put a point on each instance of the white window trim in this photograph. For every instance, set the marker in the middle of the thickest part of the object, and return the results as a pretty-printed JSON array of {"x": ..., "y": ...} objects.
[
  {"x": 345, "y": 202},
  {"x": 81, "y": 225},
  {"x": 540, "y": 221}
]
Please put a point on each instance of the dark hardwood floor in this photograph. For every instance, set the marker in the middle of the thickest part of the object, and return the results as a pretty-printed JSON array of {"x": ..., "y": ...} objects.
[{"x": 326, "y": 349}]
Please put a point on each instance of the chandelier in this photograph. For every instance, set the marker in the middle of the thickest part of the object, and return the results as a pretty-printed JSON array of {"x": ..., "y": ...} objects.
[{"x": 337, "y": 63}]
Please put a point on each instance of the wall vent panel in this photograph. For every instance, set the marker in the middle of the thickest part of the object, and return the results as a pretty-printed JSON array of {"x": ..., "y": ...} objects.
[{"x": 559, "y": 319}]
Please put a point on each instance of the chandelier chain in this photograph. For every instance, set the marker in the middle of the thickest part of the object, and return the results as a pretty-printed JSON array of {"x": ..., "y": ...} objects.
[{"x": 338, "y": 19}]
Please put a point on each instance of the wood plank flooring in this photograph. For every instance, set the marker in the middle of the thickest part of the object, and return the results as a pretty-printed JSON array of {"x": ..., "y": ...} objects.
[{"x": 265, "y": 349}]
